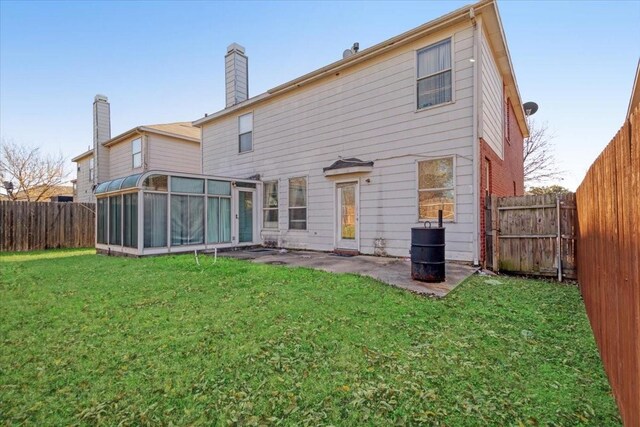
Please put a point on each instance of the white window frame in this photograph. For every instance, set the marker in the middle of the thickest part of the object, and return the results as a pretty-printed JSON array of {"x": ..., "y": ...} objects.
[
  {"x": 455, "y": 193},
  {"x": 244, "y": 133},
  {"x": 306, "y": 206},
  {"x": 265, "y": 208},
  {"x": 418, "y": 78},
  {"x": 92, "y": 170},
  {"x": 133, "y": 153}
]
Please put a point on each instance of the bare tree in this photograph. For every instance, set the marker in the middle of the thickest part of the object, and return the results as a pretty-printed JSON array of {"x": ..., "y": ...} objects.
[
  {"x": 551, "y": 189},
  {"x": 539, "y": 161},
  {"x": 28, "y": 174}
]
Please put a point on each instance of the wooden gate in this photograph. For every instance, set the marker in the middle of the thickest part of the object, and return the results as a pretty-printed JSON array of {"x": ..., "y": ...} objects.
[{"x": 533, "y": 235}]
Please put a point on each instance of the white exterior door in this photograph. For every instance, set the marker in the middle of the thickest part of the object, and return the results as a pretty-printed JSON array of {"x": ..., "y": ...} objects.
[{"x": 347, "y": 221}]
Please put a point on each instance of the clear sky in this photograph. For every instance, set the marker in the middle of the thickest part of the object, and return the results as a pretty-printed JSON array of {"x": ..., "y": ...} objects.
[{"x": 162, "y": 62}]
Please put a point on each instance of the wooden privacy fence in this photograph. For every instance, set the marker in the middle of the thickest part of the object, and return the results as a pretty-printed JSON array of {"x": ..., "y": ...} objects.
[
  {"x": 608, "y": 202},
  {"x": 532, "y": 235},
  {"x": 26, "y": 226}
]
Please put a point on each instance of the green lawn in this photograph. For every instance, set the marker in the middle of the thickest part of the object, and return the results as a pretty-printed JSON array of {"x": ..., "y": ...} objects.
[{"x": 88, "y": 339}]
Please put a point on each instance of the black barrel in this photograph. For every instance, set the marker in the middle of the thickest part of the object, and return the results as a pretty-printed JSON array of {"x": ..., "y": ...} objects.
[{"x": 427, "y": 253}]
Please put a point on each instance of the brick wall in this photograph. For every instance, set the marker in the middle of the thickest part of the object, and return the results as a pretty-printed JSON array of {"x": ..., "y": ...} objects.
[{"x": 505, "y": 176}]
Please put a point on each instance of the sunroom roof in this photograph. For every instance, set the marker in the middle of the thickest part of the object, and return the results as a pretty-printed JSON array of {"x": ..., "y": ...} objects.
[
  {"x": 139, "y": 181},
  {"x": 118, "y": 184}
]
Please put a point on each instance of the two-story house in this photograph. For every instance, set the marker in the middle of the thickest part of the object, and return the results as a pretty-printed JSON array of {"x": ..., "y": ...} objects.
[
  {"x": 170, "y": 146},
  {"x": 346, "y": 158},
  {"x": 354, "y": 154}
]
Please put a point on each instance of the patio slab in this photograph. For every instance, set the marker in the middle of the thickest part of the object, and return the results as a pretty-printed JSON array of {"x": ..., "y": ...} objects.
[{"x": 393, "y": 271}]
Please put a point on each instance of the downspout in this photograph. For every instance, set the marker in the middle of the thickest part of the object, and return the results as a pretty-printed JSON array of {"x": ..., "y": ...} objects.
[{"x": 476, "y": 142}]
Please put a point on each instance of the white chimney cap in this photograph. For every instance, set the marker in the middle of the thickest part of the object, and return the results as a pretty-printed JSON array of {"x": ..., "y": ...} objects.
[
  {"x": 235, "y": 46},
  {"x": 101, "y": 98}
]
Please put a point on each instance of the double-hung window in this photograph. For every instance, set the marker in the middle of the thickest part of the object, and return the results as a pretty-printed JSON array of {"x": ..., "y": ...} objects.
[
  {"x": 298, "y": 203},
  {"x": 91, "y": 169},
  {"x": 270, "y": 205},
  {"x": 434, "y": 74},
  {"x": 436, "y": 189},
  {"x": 245, "y": 132},
  {"x": 136, "y": 152}
]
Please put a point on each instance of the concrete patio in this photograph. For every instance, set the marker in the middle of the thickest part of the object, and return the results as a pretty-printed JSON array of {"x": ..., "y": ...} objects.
[{"x": 393, "y": 271}]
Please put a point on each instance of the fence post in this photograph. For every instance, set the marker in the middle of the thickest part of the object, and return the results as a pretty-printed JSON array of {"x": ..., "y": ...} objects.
[
  {"x": 559, "y": 238},
  {"x": 494, "y": 232}
]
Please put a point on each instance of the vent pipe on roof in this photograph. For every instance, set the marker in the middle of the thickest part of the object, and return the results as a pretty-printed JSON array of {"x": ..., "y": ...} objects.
[{"x": 236, "y": 67}]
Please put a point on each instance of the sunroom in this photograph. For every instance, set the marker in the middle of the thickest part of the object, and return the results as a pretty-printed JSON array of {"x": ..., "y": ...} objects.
[{"x": 163, "y": 212}]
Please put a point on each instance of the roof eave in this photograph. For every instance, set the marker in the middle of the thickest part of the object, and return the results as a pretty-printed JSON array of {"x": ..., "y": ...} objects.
[
  {"x": 458, "y": 15},
  {"x": 142, "y": 129},
  {"x": 503, "y": 59},
  {"x": 83, "y": 155}
]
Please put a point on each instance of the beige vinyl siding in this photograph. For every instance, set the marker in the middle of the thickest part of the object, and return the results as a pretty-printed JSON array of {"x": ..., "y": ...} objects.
[
  {"x": 368, "y": 112},
  {"x": 120, "y": 160},
  {"x": 166, "y": 153},
  {"x": 492, "y": 100},
  {"x": 84, "y": 186}
]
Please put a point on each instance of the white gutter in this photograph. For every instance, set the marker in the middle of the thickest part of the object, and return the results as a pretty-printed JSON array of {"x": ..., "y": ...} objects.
[{"x": 476, "y": 142}]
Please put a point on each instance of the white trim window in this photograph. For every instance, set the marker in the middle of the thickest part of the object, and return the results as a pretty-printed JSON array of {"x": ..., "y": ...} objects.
[
  {"x": 245, "y": 133},
  {"x": 434, "y": 77},
  {"x": 136, "y": 152},
  {"x": 436, "y": 188},
  {"x": 92, "y": 169},
  {"x": 270, "y": 205},
  {"x": 298, "y": 203}
]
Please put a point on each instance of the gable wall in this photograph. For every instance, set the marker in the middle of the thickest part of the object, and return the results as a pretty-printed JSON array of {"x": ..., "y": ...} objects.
[{"x": 367, "y": 112}]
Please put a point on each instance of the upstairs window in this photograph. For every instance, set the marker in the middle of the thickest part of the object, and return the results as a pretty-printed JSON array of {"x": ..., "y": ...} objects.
[
  {"x": 434, "y": 74},
  {"x": 270, "y": 205},
  {"x": 245, "y": 132},
  {"x": 91, "y": 169},
  {"x": 298, "y": 203},
  {"x": 136, "y": 152},
  {"x": 436, "y": 188}
]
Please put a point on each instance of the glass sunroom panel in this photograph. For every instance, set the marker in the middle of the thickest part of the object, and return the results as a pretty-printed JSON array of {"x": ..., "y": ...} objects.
[
  {"x": 115, "y": 220},
  {"x": 155, "y": 220},
  {"x": 103, "y": 217},
  {"x": 196, "y": 220},
  {"x": 187, "y": 220},
  {"x": 130, "y": 220},
  {"x": 220, "y": 188},
  {"x": 155, "y": 183},
  {"x": 213, "y": 220},
  {"x": 130, "y": 181},
  {"x": 115, "y": 184},
  {"x": 187, "y": 185},
  {"x": 225, "y": 219},
  {"x": 102, "y": 188}
]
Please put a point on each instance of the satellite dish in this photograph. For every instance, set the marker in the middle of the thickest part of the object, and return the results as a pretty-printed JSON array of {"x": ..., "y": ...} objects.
[
  {"x": 347, "y": 53},
  {"x": 530, "y": 108}
]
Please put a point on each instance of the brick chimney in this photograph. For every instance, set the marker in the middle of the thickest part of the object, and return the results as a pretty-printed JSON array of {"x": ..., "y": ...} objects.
[
  {"x": 101, "y": 133},
  {"x": 236, "y": 67}
]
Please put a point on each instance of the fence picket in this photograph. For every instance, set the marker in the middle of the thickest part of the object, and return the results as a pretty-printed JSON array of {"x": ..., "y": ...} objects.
[{"x": 26, "y": 226}]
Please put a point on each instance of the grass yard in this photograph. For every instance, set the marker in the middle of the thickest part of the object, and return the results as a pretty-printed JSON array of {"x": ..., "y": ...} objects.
[{"x": 88, "y": 339}]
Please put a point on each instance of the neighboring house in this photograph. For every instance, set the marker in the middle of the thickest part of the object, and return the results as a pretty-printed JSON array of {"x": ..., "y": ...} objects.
[
  {"x": 356, "y": 153},
  {"x": 171, "y": 147},
  {"x": 43, "y": 194},
  {"x": 346, "y": 158}
]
